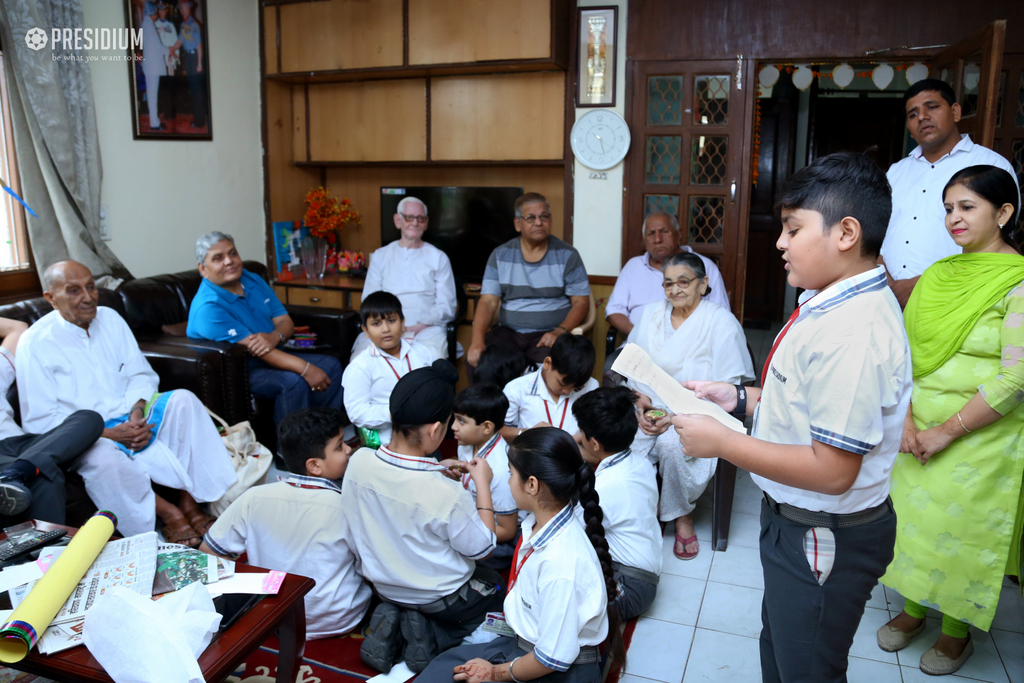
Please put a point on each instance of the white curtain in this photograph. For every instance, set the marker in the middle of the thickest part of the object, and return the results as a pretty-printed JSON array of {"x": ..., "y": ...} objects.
[{"x": 56, "y": 139}]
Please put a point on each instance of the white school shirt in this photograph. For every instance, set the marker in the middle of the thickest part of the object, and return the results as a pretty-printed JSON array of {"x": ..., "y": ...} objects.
[
  {"x": 628, "y": 489},
  {"x": 530, "y": 402},
  {"x": 639, "y": 284},
  {"x": 495, "y": 452},
  {"x": 842, "y": 375},
  {"x": 558, "y": 601},
  {"x": 8, "y": 427},
  {"x": 417, "y": 533},
  {"x": 297, "y": 526},
  {"x": 917, "y": 235},
  {"x": 421, "y": 279},
  {"x": 63, "y": 368},
  {"x": 369, "y": 379}
]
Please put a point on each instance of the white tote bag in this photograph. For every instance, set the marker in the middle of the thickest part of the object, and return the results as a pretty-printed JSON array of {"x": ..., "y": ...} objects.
[{"x": 250, "y": 458}]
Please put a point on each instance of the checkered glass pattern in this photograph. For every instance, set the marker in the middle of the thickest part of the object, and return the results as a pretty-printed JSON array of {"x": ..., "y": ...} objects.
[
  {"x": 707, "y": 216},
  {"x": 711, "y": 100},
  {"x": 654, "y": 203},
  {"x": 665, "y": 100},
  {"x": 663, "y": 159},
  {"x": 708, "y": 161}
]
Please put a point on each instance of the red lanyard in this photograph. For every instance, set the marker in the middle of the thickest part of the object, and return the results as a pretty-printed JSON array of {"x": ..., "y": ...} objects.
[
  {"x": 514, "y": 574},
  {"x": 768, "y": 361},
  {"x": 407, "y": 361},
  {"x": 565, "y": 409},
  {"x": 465, "y": 477}
]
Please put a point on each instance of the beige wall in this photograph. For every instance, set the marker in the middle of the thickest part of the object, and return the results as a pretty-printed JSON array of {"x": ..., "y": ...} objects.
[{"x": 161, "y": 195}]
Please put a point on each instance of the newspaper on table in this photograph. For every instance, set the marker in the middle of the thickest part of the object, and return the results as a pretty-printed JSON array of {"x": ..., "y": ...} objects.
[
  {"x": 635, "y": 364},
  {"x": 128, "y": 562}
]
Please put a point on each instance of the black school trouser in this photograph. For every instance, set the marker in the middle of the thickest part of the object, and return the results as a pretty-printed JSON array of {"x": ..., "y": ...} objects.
[
  {"x": 807, "y": 629},
  {"x": 499, "y": 651},
  {"x": 51, "y": 453},
  {"x": 456, "y": 616}
]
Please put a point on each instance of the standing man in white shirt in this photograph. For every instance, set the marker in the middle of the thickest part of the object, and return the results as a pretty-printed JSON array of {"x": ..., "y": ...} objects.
[
  {"x": 420, "y": 275},
  {"x": 917, "y": 237},
  {"x": 82, "y": 356}
]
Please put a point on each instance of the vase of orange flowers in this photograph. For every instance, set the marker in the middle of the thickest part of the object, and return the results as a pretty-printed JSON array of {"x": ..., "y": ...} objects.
[{"x": 325, "y": 217}]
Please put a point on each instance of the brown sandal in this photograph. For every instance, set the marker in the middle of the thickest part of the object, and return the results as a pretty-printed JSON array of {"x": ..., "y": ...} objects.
[
  {"x": 180, "y": 531},
  {"x": 199, "y": 520}
]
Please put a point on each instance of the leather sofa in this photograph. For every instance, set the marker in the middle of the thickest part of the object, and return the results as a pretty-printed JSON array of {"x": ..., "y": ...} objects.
[{"x": 156, "y": 308}]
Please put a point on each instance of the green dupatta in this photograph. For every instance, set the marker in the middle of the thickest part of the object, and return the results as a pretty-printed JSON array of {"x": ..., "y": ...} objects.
[{"x": 948, "y": 300}]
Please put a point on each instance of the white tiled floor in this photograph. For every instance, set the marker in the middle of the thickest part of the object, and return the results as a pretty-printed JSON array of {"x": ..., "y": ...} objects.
[{"x": 706, "y": 619}]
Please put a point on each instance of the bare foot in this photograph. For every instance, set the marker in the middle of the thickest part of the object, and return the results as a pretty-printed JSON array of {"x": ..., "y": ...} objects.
[
  {"x": 904, "y": 622},
  {"x": 950, "y": 646}
]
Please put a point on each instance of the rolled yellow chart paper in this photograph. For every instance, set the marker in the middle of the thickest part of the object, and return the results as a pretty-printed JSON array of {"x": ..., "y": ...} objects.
[{"x": 20, "y": 633}]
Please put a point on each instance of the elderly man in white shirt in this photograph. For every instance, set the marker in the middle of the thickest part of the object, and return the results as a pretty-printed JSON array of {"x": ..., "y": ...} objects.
[
  {"x": 917, "y": 236},
  {"x": 83, "y": 356},
  {"x": 420, "y": 275}
]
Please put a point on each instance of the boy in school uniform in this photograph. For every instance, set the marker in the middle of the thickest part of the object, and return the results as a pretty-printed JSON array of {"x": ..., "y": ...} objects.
[
  {"x": 417, "y": 532},
  {"x": 297, "y": 525},
  {"x": 544, "y": 398},
  {"x": 479, "y": 414},
  {"x": 372, "y": 374},
  {"x": 627, "y": 486},
  {"x": 827, "y": 422}
]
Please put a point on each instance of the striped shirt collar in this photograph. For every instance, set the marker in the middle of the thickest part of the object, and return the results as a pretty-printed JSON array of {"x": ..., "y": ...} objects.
[
  {"x": 553, "y": 526},
  {"x": 841, "y": 292},
  {"x": 488, "y": 446},
  {"x": 307, "y": 482},
  {"x": 540, "y": 388},
  {"x": 611, "y": 461},
  {"x": 408, "y": 462}
]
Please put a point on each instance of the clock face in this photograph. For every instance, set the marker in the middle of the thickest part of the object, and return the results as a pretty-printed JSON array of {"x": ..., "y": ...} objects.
[{"x": 600, "y": 139}]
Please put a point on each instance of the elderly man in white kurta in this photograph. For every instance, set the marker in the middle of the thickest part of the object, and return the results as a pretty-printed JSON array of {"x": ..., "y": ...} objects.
[
  {"x": 83, "y": 356},
  {"x": 420, "y": 275}
]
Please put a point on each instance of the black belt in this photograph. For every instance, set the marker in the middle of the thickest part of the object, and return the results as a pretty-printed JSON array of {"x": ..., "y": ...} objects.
[
  {"x": 827, "y": 519},
  {"x": 589, "y": 654}
]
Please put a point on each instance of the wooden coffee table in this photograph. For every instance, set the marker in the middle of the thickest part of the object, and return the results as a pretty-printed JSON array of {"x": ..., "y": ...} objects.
[{"x": 283, "y": 615}]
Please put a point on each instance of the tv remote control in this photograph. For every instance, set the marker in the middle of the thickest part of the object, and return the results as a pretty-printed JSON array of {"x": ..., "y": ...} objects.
[{"x": 45, "y": 538}]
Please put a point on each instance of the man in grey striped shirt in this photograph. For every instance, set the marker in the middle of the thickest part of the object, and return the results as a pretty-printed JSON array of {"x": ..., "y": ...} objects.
[{"x": 538, "y": 280}]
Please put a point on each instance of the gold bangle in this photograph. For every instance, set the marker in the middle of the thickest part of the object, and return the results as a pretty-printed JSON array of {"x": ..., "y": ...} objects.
[{"x": 962, "y": 422}]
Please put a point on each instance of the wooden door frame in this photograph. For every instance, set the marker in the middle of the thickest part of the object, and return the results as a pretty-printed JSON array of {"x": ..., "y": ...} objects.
[{"x": 989, "y": 41}]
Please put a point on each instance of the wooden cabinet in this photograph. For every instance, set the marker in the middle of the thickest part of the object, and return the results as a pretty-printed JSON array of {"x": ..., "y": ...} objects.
[{"x": 326, "y": 298}]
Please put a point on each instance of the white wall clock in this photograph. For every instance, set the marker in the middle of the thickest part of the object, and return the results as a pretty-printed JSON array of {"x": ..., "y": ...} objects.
[{"x": 600, "y": 139}]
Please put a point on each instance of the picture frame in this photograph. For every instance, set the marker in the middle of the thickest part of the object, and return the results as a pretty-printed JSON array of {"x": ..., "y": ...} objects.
[
  {"x": 174, "y": 53},
  {"x": 596, "y": 53}
]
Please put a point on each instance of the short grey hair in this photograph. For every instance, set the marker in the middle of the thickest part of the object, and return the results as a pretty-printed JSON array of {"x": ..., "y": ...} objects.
[
  {"x": 407, "y": 200},
  {"x": 206, "y": 242},
  {"x": 671, "y": 219}
]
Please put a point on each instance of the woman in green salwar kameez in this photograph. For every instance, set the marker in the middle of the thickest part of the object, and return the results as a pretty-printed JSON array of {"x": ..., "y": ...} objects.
[{"x": 957, "y": 487}]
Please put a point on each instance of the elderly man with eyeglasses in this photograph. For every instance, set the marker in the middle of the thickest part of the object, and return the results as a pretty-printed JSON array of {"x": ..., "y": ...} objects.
[
  {"x": 538, "y": 280},
  {"x": 420, "y": 275}
]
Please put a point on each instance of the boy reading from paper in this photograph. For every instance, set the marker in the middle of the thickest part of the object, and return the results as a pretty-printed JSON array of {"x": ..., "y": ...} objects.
[
  {"x": 297, "y": 525},
  {"x": 827, "y": 421}
]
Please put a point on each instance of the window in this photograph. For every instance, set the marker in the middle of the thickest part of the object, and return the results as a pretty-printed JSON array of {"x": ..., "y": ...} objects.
[{"x": 18, "y": 278}]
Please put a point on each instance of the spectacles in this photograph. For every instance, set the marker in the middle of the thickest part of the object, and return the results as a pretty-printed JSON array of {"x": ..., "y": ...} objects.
[
  {"x": 682, "y": 283},
  {"x": 409, "y": 219},
  {"x": 543, "y": 218}
]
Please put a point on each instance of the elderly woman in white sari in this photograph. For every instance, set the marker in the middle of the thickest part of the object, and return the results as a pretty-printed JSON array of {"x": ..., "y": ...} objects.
[{"x": 686, "y": 335}]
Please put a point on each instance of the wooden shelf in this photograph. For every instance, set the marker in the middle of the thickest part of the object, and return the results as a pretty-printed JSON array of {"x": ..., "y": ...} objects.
[
  {"x": 396, "y": 72},
  {"x": 427, "y": 164}
]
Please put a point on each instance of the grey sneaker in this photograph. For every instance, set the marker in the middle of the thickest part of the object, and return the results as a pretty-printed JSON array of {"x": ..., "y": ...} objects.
[
  {"x": 14, "y": 497},
  {"x": 935, "y": 663},
  {"x": 420, "y": 642},
  {"x": 383, "y": 642}
]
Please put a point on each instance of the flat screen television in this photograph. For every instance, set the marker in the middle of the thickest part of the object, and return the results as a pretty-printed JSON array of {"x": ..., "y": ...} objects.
[{"x": 466, "y": 223}]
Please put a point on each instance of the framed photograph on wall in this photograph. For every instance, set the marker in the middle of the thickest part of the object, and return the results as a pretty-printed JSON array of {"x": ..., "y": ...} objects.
[
  {"x": 595, "y": 82},
  {"x": 169, "y": 72}
]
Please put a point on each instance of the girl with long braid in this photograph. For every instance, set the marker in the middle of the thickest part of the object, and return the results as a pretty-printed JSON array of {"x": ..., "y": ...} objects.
[{"x": 559, "y": 606}]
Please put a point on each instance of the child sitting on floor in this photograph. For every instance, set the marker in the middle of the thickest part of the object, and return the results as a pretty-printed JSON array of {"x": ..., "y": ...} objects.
[
  {"x": 479, "y": 414},
  {"x": 628, "y": 486},
  {"x": 297, "y": 525},
  {"x": 372, "y": 374},
  {"x": 545, "y": 397},
  {"x": 418, "y": 534}
]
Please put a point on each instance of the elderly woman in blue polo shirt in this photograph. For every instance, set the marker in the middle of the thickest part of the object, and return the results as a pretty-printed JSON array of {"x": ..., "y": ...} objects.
[{"x": 234, "y": 305}]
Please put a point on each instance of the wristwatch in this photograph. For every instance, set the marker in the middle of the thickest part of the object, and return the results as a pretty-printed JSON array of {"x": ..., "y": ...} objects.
[
  {"x": 281, "y": 336},
  {"x": 740, "y": 411}
]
